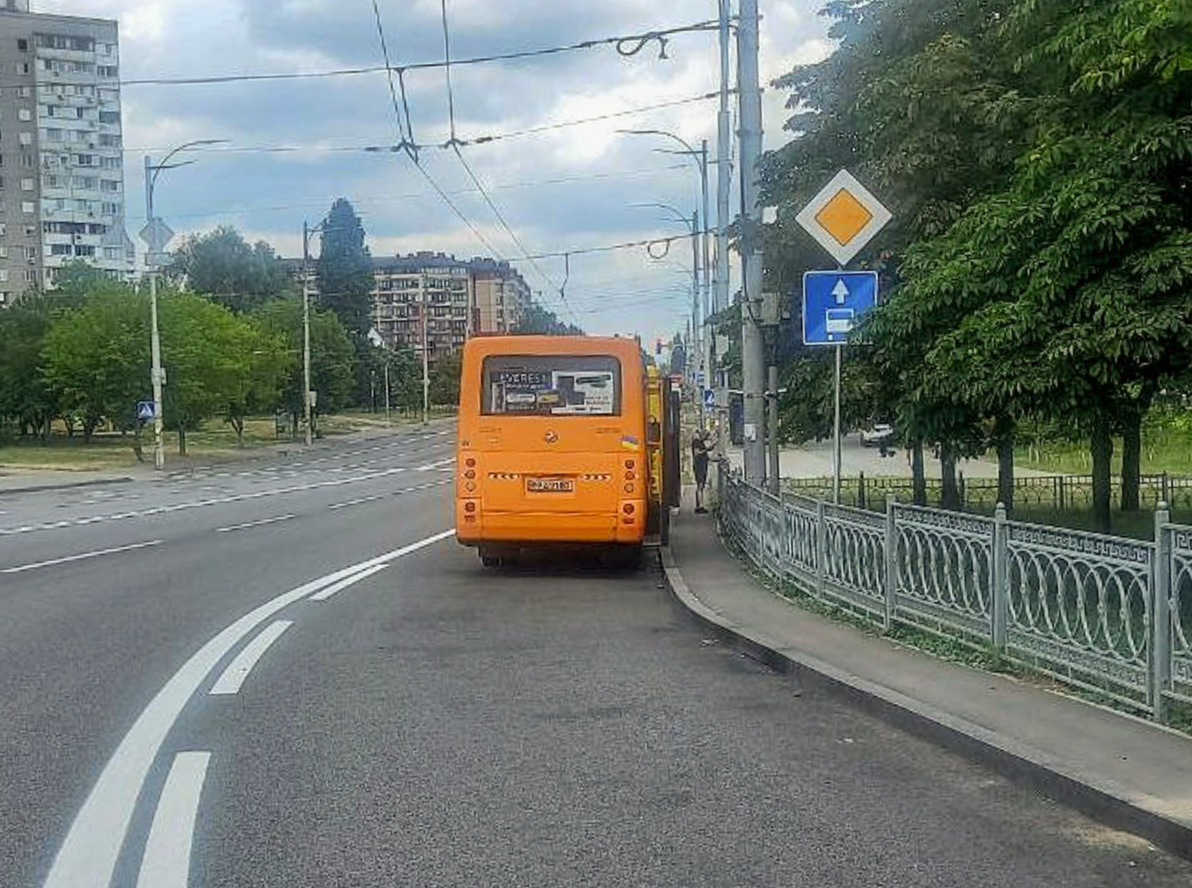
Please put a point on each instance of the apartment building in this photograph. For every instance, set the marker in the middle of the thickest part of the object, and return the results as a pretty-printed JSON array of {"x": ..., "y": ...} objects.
[
  {"x": 61, "y": 150},
  {"x": 460, "y": 298}
]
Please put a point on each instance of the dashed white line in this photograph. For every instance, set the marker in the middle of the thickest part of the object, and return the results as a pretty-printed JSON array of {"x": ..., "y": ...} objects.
[
  {"x": 213, "y": 501},
  {"x": 84, "y": 557},
  {"x": 233, "y": 677},
  {"x": 87, "y": 858},
  {"x": 251, "y": 524},
  {"x": 357, "y": 502},
  {"x": 434, "y": 465},
  {"x": 346, "y": 582},
  {"x": 166, "y": 863}
]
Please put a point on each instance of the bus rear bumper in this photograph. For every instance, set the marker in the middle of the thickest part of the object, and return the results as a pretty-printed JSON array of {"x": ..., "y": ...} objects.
[{"x": 531, "y": 528}]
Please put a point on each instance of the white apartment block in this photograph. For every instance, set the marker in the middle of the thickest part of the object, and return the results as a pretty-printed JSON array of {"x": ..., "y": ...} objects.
[{"x": 61, "y": 148}]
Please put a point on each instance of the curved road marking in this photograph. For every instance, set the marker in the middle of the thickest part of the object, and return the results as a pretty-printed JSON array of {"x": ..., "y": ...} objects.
[
  {"x": 345, "y": 583},
  {"x": 89, "y": 852},
  {"x": 233, "y": 677},
  {"x": 166, "y": 863}
]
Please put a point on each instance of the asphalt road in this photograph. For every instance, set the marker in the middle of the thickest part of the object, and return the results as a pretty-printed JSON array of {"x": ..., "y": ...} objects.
[{"x": 287, "y": 675}]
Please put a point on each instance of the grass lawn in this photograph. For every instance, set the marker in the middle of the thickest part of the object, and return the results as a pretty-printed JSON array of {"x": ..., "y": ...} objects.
[
  {"x": 1163, "y": 450},
  {"x": 214, "y": 441}
]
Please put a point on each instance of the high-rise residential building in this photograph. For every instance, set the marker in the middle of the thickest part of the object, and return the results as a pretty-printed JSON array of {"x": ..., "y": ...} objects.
[
  {"x": 61, "y": 151},
  {"x": 460, "y": 298}
]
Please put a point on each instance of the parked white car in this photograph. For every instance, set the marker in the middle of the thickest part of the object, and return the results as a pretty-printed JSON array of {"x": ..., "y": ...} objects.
[{"x": 882, "y": 433}]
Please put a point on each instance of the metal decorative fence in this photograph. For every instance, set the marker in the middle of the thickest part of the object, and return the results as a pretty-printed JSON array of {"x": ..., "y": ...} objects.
[
  {"x": 1053, "y": 491},
  {"x": 1098, "y": 612}
]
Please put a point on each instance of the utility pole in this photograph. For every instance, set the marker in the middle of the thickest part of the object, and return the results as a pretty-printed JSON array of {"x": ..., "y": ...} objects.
[
  {"x": 724, "y": 178},
  {"x": 425, "y": 363},
  {"x": 306, "y": 389},
  {"x": 775, "y": 476},
  {"x": 155, "y": 247},
  {"x": 705, "y": 334},
  {"x": 753, "y": 357},
  {"x": 696, "y": 323},
  {"x": 724, "y": 172},
  {"x": 388, "y": 411}
]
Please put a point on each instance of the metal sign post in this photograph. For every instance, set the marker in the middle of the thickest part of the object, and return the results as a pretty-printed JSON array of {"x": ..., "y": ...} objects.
[
  {"x": 842, "y": 219},
  {"x": 836, "y": 454}
]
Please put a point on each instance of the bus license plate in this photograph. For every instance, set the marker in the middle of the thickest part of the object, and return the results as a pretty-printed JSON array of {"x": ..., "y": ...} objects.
[{"x": 550, "y": 485}]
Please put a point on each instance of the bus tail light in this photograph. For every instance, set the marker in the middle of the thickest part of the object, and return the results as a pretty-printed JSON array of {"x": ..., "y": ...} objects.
[
  {"x": 628, "y": 508},
  {"x": 470, "y": 506}
]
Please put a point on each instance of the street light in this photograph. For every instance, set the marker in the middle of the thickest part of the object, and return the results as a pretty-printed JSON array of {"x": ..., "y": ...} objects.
[
  {"x": 155, "y": 236},
  {"x": 700, "y": 157}
]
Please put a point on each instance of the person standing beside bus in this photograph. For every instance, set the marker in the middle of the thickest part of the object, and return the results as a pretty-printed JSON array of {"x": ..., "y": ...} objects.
[{"x": 699, "y": 465}]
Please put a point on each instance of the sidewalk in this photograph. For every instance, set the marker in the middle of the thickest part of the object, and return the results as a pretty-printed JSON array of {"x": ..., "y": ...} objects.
[{"x": 1121, "y": 770}]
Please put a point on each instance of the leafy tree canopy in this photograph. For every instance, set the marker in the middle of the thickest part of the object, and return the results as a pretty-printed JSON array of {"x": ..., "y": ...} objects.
[
  {"x": 344, "y": 269},
  {"x": 221, "y": 264}
]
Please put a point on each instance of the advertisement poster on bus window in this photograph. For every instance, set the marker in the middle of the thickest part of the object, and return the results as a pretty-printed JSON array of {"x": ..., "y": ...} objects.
[{"x": 556, "y": 393}]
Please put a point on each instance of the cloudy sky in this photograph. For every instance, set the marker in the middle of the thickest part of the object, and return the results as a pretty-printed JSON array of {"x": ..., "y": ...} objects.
[{"x": 562, "y": 189}]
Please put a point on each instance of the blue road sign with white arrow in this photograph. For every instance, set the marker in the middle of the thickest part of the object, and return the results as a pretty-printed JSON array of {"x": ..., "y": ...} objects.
[{"x": 834, "y": 303}]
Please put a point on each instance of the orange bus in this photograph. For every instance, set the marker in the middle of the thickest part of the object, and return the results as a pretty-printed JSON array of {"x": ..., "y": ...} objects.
[{"x": 552, "y": 446}]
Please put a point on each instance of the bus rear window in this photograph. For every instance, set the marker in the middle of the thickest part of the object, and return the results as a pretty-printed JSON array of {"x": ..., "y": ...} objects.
[{"x": 551, "y": 385}]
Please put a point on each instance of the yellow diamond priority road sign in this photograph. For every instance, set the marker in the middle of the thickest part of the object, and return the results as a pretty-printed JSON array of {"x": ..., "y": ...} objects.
[{"x": 844, "y": 217}]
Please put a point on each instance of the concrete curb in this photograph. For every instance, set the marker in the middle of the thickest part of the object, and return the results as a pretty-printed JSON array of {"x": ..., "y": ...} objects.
[
  {"x": 1094, "y": 797},
  {"x": 70, "y": 485}
]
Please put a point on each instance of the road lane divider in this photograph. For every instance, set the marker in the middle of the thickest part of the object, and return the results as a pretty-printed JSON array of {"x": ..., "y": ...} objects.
[
  {"x": 234, "y": 676},
  {"x": 336, "y": 588},
  {"x": 251, "y": 524},
  {"x": 88, "y": 855},
  {"x": 435, "y": 465},
  {"x": 86, "y": 556},
  {"x": 166, "y": 863},
  {"x": 364, "y": 500}
]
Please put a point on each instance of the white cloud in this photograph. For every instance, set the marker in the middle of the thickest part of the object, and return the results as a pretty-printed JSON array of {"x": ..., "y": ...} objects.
[{"x": 270, "y": 195}]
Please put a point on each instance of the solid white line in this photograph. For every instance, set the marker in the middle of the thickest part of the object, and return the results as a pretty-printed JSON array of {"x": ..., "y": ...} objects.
[
  {"x": 86, "y": 555},
  {"x": 88, "y": 854},
  {"x": 166, "y": 863},
  {"x": 252, "y": 524},
  {"x": 234, "y": 676},
  {"x": 345, "y": 583}
]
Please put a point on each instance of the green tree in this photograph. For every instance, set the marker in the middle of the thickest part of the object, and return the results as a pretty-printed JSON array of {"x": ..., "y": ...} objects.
[
  {"x": 913, "y": 102},
  {"x": 540, "y": 321},
  {"x": 1075, "y": 275},
  {"x": 97, "y": 358},
  {"x": 344, "y": 270},
  {"x": 445, "y": 377},
  {"x": 25, "y": 396},
  {"x": 333, "y": 356},
  {"x": 222, "y": 265}
]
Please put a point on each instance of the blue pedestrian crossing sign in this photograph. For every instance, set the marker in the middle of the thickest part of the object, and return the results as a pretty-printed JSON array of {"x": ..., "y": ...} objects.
[
  {"x": 834, "y": 302},
  {"x": 710, "y": 399},
  {"x": 146, "y": 410}
]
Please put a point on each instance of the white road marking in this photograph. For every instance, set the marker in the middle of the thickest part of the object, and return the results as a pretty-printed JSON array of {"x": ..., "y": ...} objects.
[
  {"x": 233, "y": 677},
  {"x": 251, "y": 524},
  {"x": 357, "y": 502},
  {"x": 434, "y": 465},
  {"x": 88, "y": 854},
  {"x": 85, "y": 556},
  {"x": 348, "y": 581},
  {"x": 214, "y": 501},
  {"x": 166, "y": 863}
]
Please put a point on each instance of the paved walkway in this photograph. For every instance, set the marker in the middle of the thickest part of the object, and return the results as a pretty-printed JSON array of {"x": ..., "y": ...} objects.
[
  {"x": 814, "y": 460},
  {"x": 1127, "y": 772}
]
